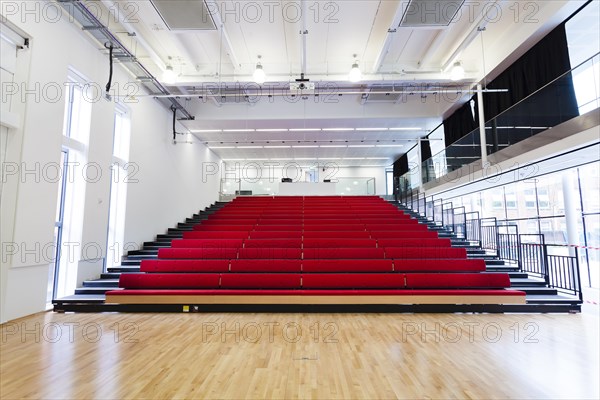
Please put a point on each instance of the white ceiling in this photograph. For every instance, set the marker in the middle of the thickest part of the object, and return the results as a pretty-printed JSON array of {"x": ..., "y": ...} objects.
[{"x": 320, "y": 38}]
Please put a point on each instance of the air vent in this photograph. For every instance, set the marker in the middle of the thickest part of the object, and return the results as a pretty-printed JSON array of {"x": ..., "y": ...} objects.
[
  {"x": 429, "y": 13},
  {"x": 381, "y": 94},
  {"x": 184, "y": 15}
]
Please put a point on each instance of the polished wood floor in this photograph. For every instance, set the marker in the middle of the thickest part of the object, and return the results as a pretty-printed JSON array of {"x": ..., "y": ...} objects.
[{"x": 287, "y": 356}]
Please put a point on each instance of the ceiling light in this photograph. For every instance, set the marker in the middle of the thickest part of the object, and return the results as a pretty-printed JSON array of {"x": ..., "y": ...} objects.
[
  {"x": 337, "y": 129},
  {"x": 371, "y": 129},
  {"x": 259, "y": 73},
  {"x": 361, "y": 145},
  {"x": 306, "y": 147},
  {"x": 169, "y": 76},
  {"x": 249, "y": 147},
  {"x": 222, "y": 147},
  {"x": 333, "y": 146},
  {"x": 355, "y": 75},
  {"x": 390, "y": 145},
  {"x": 277, "y": 147},
  {"x": 457, "y": 73},
  {"x": 238, "y": 130},
  {"x": 305, "y": 130},
  {"x": 205, "y": 130},
  {"x": 271, "y": 130},
  {"x": 405, "y": 129}
]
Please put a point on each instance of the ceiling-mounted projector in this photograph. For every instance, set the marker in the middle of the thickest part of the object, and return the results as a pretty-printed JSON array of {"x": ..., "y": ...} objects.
[{"x": 304, "y": 87}]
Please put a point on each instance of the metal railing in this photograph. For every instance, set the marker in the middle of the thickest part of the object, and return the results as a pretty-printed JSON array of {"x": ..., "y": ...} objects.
[{"x": 557, "y": 265}]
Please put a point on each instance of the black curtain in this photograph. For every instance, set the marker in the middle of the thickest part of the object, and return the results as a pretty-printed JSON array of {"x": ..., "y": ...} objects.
[
  {"x": 427, "y": 170},
  {"x": 543, "y": 63},
  {"x": 459, "y": 124}
]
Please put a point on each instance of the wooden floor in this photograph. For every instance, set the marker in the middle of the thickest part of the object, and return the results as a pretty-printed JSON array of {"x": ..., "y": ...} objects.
[{"x": 287, "y": 356}]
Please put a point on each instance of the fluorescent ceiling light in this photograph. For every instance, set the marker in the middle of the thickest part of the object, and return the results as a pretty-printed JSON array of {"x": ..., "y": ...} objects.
[
  {"x": 406, "y": 129},
  {"x": 362, "y": 145},
  {"x": 337, "y": 129},
  {"x": 204, "y": 130},
  {"x": 277, "y": 147},
  {"x": 371, "y": 129},
  {"x": 305, "y": 130},
  {"x": 238, "y": 130},
  {"x": 390, "y": 145},
  {"x": 271, "y": 130},
  {"x": 222, "y": 147},
  {"x": 376, "y": 158},
  {"x": 305, "y": 147},
  {"x": 333, "y": 146},
  {"x": 250, "y": 147}
]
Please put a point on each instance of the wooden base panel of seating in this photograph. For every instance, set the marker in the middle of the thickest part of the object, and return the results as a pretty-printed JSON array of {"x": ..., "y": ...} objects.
[{"x": 355, "y": 299}]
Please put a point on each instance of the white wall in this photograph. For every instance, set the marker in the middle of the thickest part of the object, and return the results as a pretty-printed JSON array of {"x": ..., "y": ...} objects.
[
  {"x": 272, "y": 173},
  {"x": 170, "y": 183}
]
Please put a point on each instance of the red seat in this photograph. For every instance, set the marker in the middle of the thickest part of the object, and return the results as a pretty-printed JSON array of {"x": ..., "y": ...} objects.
[
  {"x": 336, "y": 234},
  {"x": 457, "y": 281},
  {"x": 276, "y": 234},
  {"x": 260, "y": 281},
  {"x": 323, "y": 227},
  {"x": 344, "y": 253},
  {"x": 275, "y": 228},
  {"x": 287, "y": 243},
  {"x": 347, "y": 266},
  {"x": 224, "y": 227},
  {"x": 416, "y": 232},
  {"x": 184, "y": 266},
  {"x": 270, "y": 253},
  {"x": 343, "y": 242},
  {"x": 270, "y": 265},
  {"x": 168, "y": 281},
  {"x": 439, "y": 265},
  {"x": 425, "y": 252},
  {"x": 421, "y": 242},
  {"x": 221, "y": 253},
  {"x": 207, "y": 243},
  {"x": 215, "y": 235},
  {"x": 347, "y": 281}
]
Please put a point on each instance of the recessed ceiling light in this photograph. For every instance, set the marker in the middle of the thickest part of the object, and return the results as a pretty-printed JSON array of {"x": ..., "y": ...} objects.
[
  {"x": 333, "y": 146},
  {"x": 337, "y": 129},
  {"x": 371, "y": 129},
  {"x": 277, "y": 147},
  {"x": 250, "y": 147},
  {"x": 271, "y": 130},
  {"x": 305, "y": 130},
  {"x": 204, "y": 130},
  {"x": 238, "y": 130},
  {"x": 305, "y": 147},
  {"x": 361, "y": 145}
]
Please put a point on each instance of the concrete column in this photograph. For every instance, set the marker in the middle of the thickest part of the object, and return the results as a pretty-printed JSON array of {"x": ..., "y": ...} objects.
[{"x": 571, "y": 214}]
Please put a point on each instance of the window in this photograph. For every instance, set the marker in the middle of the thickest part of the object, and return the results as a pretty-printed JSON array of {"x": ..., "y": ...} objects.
[
  {"x": 389, "y": 182},
  {"x": 118, "y": 188},
  {"x": 78, "y": 111}
]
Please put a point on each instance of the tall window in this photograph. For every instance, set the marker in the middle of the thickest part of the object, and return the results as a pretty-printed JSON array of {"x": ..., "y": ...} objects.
[
  {"x": 118, "y": 188},
  {"x": 69, "y": 223},
  {"x": 583, "y": 36}
]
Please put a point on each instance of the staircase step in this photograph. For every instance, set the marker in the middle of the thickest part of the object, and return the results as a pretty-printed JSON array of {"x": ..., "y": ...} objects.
[
  {"x": 124, "y": 268},
  {"x": 536, "y": 290},
  {"x": 149, "y": 252},
  {"x": 130, "y": 262},
  {"x": 529, "y": 282},
  {"x": 110, "y": 275},
  {"x": 94, "y": 290},
  {"x": 550, "y": 299},
  {"x": 172, "y": 231},
  {"x": 101, "y": 283},
  {"x": 170, "y": 236}
]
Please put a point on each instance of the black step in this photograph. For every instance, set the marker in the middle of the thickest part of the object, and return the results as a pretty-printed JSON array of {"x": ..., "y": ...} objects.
[
  {"x": 110, "y": 275},
  {"x": 170, "y": 236},
  {"x": 529, "y": 282},
  {"x": 130, "y": 262},
  {"x": 536, "y": 290},
  {"x": 101, "y": 283},
  {"x": 124, "y": 268},
  {"x": 156, "y": 243},
  {"x": 142, "y": 253},
  {"x": 94, "y": 290}
]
